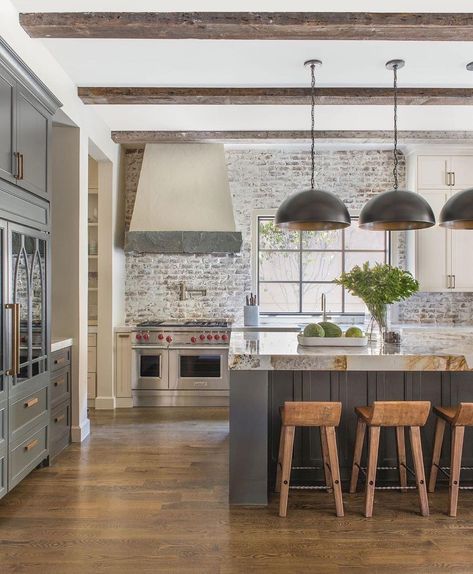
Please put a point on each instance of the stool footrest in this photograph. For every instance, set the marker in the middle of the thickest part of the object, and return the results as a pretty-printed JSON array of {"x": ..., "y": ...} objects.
[
  {"x": 395, "y": 487},
  {"x": 309, "y": 488},
  {"x": 306, "y": 467}
]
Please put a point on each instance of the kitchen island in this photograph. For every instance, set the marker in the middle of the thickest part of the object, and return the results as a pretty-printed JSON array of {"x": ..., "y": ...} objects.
[{"x": 268, "y": 368}]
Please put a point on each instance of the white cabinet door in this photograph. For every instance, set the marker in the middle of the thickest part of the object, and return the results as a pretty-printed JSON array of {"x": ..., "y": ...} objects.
[
  {"x": 433, "y": 248},
  {"x": 462, "y": 168},
  {"x": 462, "y": 259},
  {"x": 432, "y": 172}
]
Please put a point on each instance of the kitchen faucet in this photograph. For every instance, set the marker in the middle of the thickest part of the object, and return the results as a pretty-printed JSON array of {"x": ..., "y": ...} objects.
[
  {"x": 323, "y": 304},
  {"x": 184, "y": 292}
]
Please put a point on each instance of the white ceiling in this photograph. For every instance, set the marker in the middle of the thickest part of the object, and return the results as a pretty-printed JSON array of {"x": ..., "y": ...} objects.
[{"x": 263, "y": 63}]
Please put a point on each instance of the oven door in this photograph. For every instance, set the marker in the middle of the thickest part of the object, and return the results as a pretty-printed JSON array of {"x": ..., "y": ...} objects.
[
  {"x": 150, "y": 368},
  {"x": 198, "y": 369}
]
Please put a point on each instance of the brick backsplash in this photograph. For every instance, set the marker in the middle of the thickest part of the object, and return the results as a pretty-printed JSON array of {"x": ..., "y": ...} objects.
[{"x": 260, "y": 178}]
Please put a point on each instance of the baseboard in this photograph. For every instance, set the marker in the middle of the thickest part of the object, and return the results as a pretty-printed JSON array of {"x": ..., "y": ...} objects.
[
  {"x": 123, "y": 402},
  {"x": 105, "y": 403},
  {"x": 80, "y": 433}
]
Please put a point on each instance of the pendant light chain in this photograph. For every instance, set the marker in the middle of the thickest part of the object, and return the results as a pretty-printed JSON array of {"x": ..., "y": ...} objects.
[
  {"x": 396, "y": 160},
  {"x": 312, "y": 129}
]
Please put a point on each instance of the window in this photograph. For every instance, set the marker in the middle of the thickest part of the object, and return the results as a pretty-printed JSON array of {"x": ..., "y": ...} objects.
[{"x": 294, "y": 268}]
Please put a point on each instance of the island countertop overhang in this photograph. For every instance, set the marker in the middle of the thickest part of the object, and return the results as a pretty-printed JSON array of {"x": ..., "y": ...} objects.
[{"x": 422, "y": 349}]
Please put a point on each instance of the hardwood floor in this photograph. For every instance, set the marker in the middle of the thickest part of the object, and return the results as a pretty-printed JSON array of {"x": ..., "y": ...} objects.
[{"x": 148, "y": 493}]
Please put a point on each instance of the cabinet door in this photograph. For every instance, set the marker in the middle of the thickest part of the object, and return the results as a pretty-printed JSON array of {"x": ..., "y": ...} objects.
[
  {"x": 461, "y": 250},
  {"x": 28, "y": 279},
  {"x": 123, "y": 365},
  {"x": 433, "y": 249},
  {"x": 432, "y": 172},
  {"x": 7, "y": 126},
  {"x": 462, "y": 167},
  {"x": 5, "y": 318},
  {"x": 32, "y": 143}
]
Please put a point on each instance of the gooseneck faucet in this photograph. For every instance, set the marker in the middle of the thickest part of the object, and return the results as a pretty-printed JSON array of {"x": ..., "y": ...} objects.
[{"x": 323, "y": 304}]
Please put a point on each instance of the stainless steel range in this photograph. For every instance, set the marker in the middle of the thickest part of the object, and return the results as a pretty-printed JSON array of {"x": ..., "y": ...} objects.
[{"x": 180, "y": 363}]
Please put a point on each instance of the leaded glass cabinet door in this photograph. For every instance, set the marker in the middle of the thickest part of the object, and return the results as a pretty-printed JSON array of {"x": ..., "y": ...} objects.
[{"x": 28, "y": 289}]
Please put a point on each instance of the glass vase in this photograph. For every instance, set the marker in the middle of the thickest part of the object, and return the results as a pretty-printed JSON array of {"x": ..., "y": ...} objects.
[{"x": 379, "y": 318}]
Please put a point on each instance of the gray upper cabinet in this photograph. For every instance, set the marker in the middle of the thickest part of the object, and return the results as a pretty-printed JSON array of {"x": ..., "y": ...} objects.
[
  {"x": 26, "y": 111},
  {"x": 7, "y": 131}
]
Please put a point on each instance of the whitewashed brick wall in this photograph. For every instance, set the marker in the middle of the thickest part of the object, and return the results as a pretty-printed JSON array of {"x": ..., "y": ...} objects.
[{"x": 260, "y": 178}]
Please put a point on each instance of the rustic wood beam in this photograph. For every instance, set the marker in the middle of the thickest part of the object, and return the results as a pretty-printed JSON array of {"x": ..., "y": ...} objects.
[
  {"x": 251, "y": 25},
  {"x": 274, "y": 96},
  {"x": 346, "y": 136}
]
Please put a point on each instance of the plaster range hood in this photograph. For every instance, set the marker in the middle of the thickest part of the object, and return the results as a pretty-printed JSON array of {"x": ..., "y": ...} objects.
[{"x": 183, "y": 202}]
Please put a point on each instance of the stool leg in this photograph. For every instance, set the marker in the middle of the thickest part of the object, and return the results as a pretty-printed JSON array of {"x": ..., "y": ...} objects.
[
  {"x": 334, "y": 469},
  {"x": 286, "y": 468},
  {"x": 325, "y": 459},
  {"x": 438, "y": 441},
  {"x": 416, "y": 447},
  {"x": 359, "y": 440},
  {"x": 458, "y": 433},
  {"x": 277, "y": 487},
  {"x": 401, "y": 457},
  {"x": 373, "y": 446}
]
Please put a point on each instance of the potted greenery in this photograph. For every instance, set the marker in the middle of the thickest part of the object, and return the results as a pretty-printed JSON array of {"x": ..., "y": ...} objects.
[{"x": 379, "y": 286}]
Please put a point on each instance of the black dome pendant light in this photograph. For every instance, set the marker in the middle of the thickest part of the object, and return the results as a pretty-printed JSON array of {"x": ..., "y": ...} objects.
[
  {"x": 312, "y": 209},
  {"x": 457, "y": 213},
  {"x": 396, "y": 210}
]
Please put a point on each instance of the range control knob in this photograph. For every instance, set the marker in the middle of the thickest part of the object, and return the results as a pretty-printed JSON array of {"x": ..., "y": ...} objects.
[
  {"x": 193, "y": 339},
  {"x": 217, "y": 337},
  {"x": 202, "y": 337},
  {"x": 146, "y": 336},
  {"x": 138, "y": 336},
  {"x": 224, "y": 337},
  {"x": 160, "y": 336},
  {"x": 209, "y": 337},
  {"x": 169, "y": 339}
]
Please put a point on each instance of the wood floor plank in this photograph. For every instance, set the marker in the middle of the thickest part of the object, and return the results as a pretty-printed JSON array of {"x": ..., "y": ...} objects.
[{"x": 148, "y": 493}]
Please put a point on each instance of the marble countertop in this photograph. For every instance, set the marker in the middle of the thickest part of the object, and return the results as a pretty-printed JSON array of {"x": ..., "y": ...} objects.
[
  {"x": 424, "y": 348},
  {"x": 59, "y": 343}
]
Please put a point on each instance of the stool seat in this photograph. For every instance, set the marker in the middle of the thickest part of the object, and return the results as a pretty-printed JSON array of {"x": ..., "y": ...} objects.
[
  {"x": 326, "y": 416},
  {"x": 458, "y": 418},
  {"x": 397, "y": 414}
]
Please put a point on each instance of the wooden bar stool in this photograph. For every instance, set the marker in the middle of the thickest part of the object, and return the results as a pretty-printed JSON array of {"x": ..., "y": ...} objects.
[
  {"x": 309, "y": 414},
  {"x": 458, "y": 418},
  {"x": 398, "y": 414}
]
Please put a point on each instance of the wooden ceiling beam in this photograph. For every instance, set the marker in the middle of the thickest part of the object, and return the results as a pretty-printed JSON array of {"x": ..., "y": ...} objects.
[
  {"x": 274, "y": 96},
  {"x": 251, "y": 25},
  {"x": 363, "y": 136}
]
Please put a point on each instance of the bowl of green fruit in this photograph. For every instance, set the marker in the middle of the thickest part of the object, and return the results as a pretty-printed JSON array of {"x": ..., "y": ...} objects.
[{"x": 327, "y": 334}]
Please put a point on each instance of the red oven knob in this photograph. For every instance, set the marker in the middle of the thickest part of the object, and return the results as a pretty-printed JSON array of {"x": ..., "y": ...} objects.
[
  {"x": 169, "y": 339},
  {"x": 217, "y": 337},
  {"x": 193, "y": 339},
  {"x": 224, "y": 337},
  {"x": 146, "y": 336},
  {"x": 138, "y": 336},
  {"x": 202, "y": 337},
  {"x": 160, "y": 336},
  {"x": 209, "y": 337}
]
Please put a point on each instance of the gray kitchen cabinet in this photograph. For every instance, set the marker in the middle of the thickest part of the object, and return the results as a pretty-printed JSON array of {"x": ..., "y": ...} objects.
[
  {"x": 7, "y": 131},
  {"x": 60, "y": 388}
]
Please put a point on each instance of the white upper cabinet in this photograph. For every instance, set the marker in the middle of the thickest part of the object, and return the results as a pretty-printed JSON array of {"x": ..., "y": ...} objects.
[{"x": 443, "y": 256}]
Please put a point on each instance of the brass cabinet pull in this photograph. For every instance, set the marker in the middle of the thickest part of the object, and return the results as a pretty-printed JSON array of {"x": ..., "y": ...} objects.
[
  {"x": 32, "y": 444},
  {"x": 448, "y": 281},
  {"x": 31, "y": 403},
  {"x": 123, "y": 335},
  {"x": 21, "y": 166},
  {"x": 59, "y": 418},
  {"x": 15, "y": 342},
  {"x": 447, "y": 178},
  {"x": 453, "y": 281},
  {"x": 17, "y": 165},
  {"x": 59, "y": 382},
  {"x": 453, "y": 179}
]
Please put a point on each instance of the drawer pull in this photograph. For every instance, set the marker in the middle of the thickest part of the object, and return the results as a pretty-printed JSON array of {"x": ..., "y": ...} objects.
[
  {"x": 59, "y": 418},
  {"x": 201, "y": 384},
  {"x": 59, "y": 382},
  {"x": 32, "y": 444},
  {"x": 31, "y": 403}
]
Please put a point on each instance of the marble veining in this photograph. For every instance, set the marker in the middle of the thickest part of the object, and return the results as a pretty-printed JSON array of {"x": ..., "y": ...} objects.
[{"x": 442, "y": 349}]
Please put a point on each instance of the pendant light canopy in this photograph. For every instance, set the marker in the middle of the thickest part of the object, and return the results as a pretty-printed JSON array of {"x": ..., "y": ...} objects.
[
  {"x": 396, "y": 210},
  {"x": 457, "y": 213},
  {"x": 312, "y": 209}
]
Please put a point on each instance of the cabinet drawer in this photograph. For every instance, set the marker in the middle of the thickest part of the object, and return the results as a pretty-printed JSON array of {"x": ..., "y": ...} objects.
[
  {"x": 60, "y": 428},
  {"x": 28, "y": 411},
  {"x": 91, "y": 385},
  {"x": 60, "y": 359},
  {"x": 28, "y": 454},
  {"x": 92, "y": 360},
  {"x": 92, "y": 340},
  {"x": 60, "y": 386}
]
